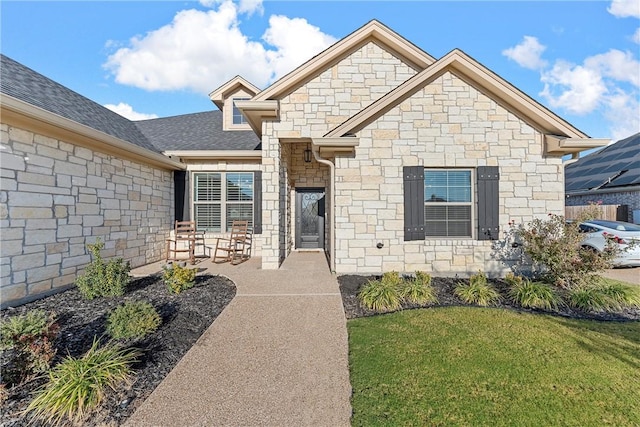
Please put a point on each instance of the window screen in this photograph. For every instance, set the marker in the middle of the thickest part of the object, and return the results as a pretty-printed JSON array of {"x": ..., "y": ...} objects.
[{"x": 447, "y": 203}]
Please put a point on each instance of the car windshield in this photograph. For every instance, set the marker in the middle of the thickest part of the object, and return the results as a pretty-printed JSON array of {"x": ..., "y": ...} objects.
[{"x": 617, "y": 225}]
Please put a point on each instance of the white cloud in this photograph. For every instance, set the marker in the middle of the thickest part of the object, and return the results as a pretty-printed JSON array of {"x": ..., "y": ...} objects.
[
  {"x": 574, "y": 88},
  {"x": 292, "y": 51},
  {"x": 527, "y": 54},
  {"x": 625, "y": 8},
  {"x": 636, "y": 36},
  {"x": 199, "y": 50},
  {"x": 245, "y": 6},
  {"x": 126, "y": 110},
  {"x": 623, "y": 111},
  {"x": 618, "y": 65}
]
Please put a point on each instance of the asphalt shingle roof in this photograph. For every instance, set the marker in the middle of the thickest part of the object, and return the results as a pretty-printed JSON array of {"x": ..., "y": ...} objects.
[
  {"x": 29, "y": 86},
  {"x": 198, "y": 131},
  {"x": 615, "y": 166}
]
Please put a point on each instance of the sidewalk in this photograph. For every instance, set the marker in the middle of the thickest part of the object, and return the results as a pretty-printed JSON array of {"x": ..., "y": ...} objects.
[{"x": 276, "y": 356}]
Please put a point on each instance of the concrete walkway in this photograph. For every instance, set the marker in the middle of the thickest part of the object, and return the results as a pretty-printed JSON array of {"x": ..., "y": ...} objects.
[{"x": 276, "y": 356}]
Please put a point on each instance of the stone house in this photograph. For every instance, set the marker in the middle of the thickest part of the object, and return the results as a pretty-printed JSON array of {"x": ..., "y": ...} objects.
[
  {"x": 610, "y": 176},
  {"x": 373, "y": 151}
]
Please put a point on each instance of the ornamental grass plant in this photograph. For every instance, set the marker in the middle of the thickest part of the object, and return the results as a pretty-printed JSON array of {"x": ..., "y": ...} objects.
[
  {"x": 477, "y": 291},
  {"x": 76, "y": 386},
  {"x": 530, "y": 294}
]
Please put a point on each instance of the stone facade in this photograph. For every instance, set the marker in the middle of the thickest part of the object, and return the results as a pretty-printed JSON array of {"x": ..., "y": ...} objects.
[
  {"x": 56, "y": 197},
  {"x": 310, "y": 111},
  {"x": 448, "y": 124}
]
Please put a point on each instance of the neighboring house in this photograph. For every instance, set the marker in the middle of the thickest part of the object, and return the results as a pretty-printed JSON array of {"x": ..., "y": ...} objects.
[
  {"x": 610, "y": 176},
  {"x": 373, "y": 151}
]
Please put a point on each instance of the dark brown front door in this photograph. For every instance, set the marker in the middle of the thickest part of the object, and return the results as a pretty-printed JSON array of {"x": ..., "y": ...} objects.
[{"x": 309, "y": 218}]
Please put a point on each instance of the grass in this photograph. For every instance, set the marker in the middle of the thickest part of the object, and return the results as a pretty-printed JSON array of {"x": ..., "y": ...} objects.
[{"x": 476, "y": 366}]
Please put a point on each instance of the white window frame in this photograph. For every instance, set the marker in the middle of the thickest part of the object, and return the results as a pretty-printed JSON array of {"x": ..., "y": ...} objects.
[
  {"x": 471, "y": 203},
  {"x": 225, "y": 226},
  {"x": 243, "y": 119}
]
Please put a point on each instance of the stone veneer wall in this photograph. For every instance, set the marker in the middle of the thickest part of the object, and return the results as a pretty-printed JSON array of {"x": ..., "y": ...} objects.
[
  {"x": 327, "y": 100},
  {"x": 305, "y": 175},
  {"x": 56, "y": 197},
  {"x": 447, "y": 124},
  {"x": 629, "y": 198}
]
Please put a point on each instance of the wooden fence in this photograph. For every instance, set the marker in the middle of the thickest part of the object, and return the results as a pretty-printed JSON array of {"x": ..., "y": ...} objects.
[{"x": 609, "y": 212}]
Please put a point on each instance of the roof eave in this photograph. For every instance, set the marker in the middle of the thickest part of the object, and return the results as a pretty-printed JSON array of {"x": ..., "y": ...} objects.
[
  {"x": 372, "y": 31},
  {"x": 256, "y": 112},
  {"x": 218, "y": 95},
  {"x": 15, "y": 110},
  {"x": 461, "y": 64},
  {"x": 560, "y": 145},
  {"x": 215, "y": 154}
]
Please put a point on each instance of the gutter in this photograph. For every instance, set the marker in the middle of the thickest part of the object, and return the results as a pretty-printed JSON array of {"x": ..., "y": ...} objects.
[
  {"x": 332, "y": 219},
  {"x": 16, "y": 110}
]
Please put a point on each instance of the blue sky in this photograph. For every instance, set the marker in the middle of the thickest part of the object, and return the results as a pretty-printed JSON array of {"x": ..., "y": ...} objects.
[{"x": 162, "y": 58}]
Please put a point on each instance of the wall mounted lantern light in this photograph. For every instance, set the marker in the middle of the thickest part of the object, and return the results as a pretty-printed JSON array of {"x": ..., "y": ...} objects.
[{"x": 307, "y": 155}]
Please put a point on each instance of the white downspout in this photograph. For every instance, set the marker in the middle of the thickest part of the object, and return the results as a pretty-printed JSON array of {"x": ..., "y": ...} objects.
[{"x": 332, "y": 220}]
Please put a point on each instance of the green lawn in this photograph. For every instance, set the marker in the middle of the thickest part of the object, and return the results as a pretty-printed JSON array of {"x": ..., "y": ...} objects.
[{"x": 472, "y": 366}]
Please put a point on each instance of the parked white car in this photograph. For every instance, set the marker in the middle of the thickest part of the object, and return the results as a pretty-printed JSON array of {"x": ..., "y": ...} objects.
[{"x": 625, "y": 234}]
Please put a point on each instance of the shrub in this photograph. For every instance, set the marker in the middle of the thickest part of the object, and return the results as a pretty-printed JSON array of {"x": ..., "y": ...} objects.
[
  {"x": 533, "y": 294},
  {"x": 77, "y": 386},
  {"x": 604, "y": 297},
  {"x": 102, "y": 279},
  {"x": 477, "y": 291},
  {"x": 27, "y": 345},
  {"x": 178, "y": 278},
  {"x": 382, "y": 295},
  {"x": 555, "y": 248},
  {"x": 133, "y": 320},
  {"x": 418, "y": 290}
]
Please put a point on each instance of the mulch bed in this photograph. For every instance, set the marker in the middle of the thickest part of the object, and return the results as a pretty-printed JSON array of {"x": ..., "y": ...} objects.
[
  {"x": 444, "y": 287},
  {"x": 184, "y": 318}
]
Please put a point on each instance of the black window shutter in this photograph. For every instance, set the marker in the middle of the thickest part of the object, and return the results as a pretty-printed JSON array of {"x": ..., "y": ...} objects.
[
  {"x": 488, "y": 192},
  {"x": 257, "y": 202},
  {"x": 413, "y": 177},
  {"x": 182, "y": 192}
]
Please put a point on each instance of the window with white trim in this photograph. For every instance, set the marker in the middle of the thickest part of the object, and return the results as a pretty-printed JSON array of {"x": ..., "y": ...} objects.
[
  {"x": 238, "y": 118},
  {"x": 219, "y": 198},
  {"x": 448, "y": 203}
]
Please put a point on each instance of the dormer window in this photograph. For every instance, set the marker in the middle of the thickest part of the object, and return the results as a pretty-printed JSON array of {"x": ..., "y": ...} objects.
[{"x": 238, "y": 118}]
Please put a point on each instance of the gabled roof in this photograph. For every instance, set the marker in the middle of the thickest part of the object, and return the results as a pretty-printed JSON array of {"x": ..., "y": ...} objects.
[
  {"x": 232, "y": 86},
  {"x": 373, "y": 31},
  {"x": 24, "y": 84},
  {"x": 482, "y": 79},
  {"x": 616, "y": 166},
  {"x": 198, "y": 131}
]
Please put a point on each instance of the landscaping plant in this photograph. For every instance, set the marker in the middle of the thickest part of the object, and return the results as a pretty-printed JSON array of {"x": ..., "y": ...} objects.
[
  {"x": 554, "y": 247},
  {"x": 477, "y": 291},
  {"x": 26, "y": 342},
  {"x": 76, "y": 386},
  {"x": 103, "y": 279},
  {"x": 133, "y": 320},
  {"x": 178, "y": 278},
  {"x": 604, "y": 296},
  {"x": 530, "y": 294},
  {"x": 383, "y": 294},
  {"x": 418, "y": 290}
]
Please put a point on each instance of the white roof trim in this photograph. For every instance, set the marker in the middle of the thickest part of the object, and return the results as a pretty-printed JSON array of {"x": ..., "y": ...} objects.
[{"x": 95, "y": 139}]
